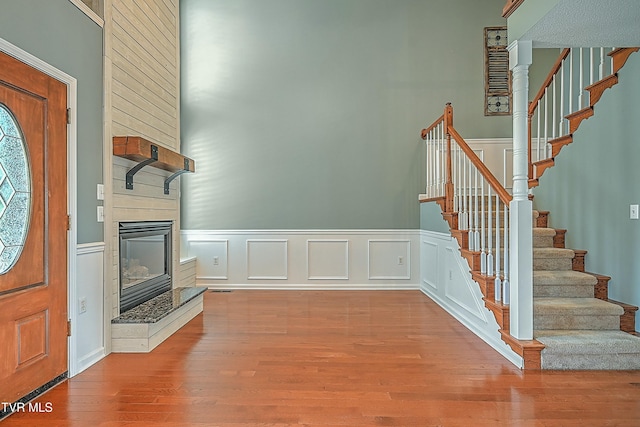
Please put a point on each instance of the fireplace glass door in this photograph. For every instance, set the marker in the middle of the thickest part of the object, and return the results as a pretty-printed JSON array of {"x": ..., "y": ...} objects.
[{"x": 145, "y": 261}]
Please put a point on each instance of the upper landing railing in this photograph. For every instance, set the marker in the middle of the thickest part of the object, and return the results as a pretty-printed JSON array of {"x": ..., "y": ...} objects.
[{"x": 567, "y": 96}]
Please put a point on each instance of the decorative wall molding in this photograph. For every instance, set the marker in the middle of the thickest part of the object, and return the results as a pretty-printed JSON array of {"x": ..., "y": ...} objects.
[
  {"x": 494, "y": 152},
  {"x": 305, "y": 259},
  {"x": 327, "y": 259},
  {"x": 212, "y": 257},
  {"x": 267, "y": 259},
  {"x": 445, "y": 278},
  {"x": 389, "y": 259}
]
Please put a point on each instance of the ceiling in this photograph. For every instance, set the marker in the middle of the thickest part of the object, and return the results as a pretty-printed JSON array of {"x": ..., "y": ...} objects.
[{"x": 588, "y": 23}]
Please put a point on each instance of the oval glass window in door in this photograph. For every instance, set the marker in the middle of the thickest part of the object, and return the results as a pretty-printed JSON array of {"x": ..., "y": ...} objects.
[{"x": 15, "y": 190}]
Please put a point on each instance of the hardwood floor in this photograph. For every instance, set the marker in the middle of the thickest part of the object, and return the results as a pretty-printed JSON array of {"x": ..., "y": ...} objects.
[{"x": 331, "y": 358}]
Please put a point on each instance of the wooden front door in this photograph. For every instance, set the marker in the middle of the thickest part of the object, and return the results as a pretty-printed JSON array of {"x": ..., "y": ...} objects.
[{"x": 33, "y": 229}]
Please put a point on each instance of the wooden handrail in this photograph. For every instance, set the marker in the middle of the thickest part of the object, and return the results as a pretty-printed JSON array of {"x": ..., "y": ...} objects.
[
  {"x": 511, "y": 7},
  {"x": 547, "y": 82},
  {"x": 425, "y": 132},
  {"x": 505, "y": 197}
]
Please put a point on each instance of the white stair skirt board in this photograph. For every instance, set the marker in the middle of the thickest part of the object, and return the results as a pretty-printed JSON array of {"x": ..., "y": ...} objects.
[
  {"x": 446, "y": 279},
  {"x": 304, "y": 259}
]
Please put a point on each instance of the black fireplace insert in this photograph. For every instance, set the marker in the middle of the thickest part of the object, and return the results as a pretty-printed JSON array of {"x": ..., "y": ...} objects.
[{"x": 145, "y": 261}]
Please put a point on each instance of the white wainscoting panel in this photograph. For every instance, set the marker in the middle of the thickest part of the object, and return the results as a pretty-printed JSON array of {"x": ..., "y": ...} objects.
[
  {"x": 267, "y": 259},
  {"x": 327, "y": 259},
  {"x": 429, "y": 259},
  {"x": 463, "y": 292},
  {"x": 445, "y": 277},
  {"x": 305, "y": 259},
  {"x": 87, "y": 328},
  {"x": 497, "y": 155},
  {"x": 211, "y": 257},
  {"x": 389, "y": 259}
]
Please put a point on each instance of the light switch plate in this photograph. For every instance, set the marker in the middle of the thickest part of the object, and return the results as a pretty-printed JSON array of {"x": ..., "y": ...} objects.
[
  {"x": 633, "y": 211},
  {"x": 100, "y": 192}
]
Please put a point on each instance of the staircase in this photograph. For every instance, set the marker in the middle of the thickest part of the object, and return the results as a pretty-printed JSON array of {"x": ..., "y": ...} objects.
[
  {"x": 575, "y": 325},
  {"x": 578, "y": 330}
]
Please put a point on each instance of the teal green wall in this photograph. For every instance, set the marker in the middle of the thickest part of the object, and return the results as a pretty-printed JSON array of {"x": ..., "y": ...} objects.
[
  {"x": 431, "y": 218},
  {"x": 594, "y": 181},
  {"x": 305, "y": 114},
  {"x": 56, "y": 32}
]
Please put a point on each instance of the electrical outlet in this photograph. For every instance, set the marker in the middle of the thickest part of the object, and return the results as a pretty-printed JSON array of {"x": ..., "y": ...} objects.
[
  {"x": 82, "y": 305},
  {"x": 633, "y": 211},
  {"x": 216, "y": 260},
  {"x": 100, "y": 213}
]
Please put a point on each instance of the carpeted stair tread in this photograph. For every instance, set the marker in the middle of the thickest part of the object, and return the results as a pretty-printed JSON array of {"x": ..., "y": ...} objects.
[
  {"x": 575, "y": 306},
  {"x": 553, "y": 253},
  {"x": 589, "y": 350},
  {"x": 563, "y": 284},
  {"x": 583, "y": 342},
  {"x": 557, "y": 259},
  {"x": 569, "y": 277},
  {"x": 541, "y": 231}
]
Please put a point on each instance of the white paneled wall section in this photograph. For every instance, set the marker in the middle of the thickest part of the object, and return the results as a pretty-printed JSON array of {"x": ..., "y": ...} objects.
[
  {"x": 446, "y": 279},
  {"x": 497, "y": 154},
  {"x": 308, "y": 259},
  {"x": 87, "y": 308}
]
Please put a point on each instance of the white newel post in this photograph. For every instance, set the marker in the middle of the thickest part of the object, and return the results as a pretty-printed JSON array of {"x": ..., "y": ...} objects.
[{"x": 521, "y": 213}]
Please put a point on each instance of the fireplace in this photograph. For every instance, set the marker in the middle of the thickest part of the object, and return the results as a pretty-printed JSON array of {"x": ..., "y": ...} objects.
[{"x": 145, "y": 261}]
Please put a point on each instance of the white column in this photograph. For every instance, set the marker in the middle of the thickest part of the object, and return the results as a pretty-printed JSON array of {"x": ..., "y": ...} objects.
[{"x": 521, "y": 214}]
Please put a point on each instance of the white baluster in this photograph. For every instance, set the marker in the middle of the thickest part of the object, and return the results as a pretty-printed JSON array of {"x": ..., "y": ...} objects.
[
  {"x": 553, "y": 112},
  {"x": 546, "y": 120},
  {"x": 571, "y": 81},
  {"x": 489, "y": 235},
  {"x": 506, "y": 295},
  {"x": 591, "y": 65},
  {"x": 581, "y": 80},
  {"x": 476, "y": 234},
  {"x": 428, "y": 177},
  {"x": 460, "y": 198},
  {"x": 470, "y": 235},
  {"x": 561, "y": 118},
  {"x": 441, "y": 160},
  {"x": 601, "y": 67},
  {"x": 483, "y": 254},
  {"x": 539, "y": 113},
  {"x": 498, "y": 282},
  {"x": 465, "y": 205},
  {"x": 611, "y": 61}
]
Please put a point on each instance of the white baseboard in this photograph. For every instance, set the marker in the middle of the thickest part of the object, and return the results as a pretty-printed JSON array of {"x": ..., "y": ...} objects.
[{"x": 89, "y": 359}]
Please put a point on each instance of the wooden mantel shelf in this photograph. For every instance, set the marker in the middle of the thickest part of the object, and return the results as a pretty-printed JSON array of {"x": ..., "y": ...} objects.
[{"x": 145, "y": 152}]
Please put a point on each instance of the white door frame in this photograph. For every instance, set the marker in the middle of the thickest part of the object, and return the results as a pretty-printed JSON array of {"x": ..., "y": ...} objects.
[{"x": 72, "y": 236}]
